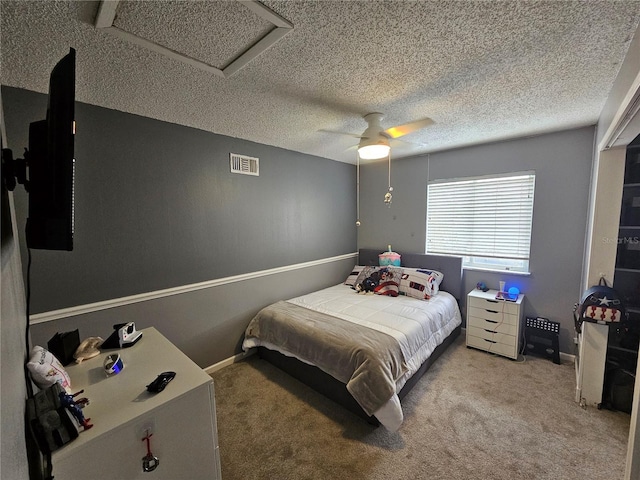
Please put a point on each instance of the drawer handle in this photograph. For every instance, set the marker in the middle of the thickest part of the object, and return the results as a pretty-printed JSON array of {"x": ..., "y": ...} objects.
[
  {"x": 490, "y": 321},
  {"x": 490, "y": 331},
  {"x": 491, "y": 311},
  {"x": 492, "y": 301},
  {"x": 490, "y": 341}
]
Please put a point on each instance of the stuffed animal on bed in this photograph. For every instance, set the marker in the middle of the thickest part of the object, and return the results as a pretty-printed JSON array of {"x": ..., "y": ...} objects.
[
  {"x": 368, "y": 284},
  {"x": 380, "y": 281}
]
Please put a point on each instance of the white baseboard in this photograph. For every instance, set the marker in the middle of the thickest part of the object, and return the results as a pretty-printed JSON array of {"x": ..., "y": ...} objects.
[
  {"x": 567, "y": 357},
  {"x": 229, "y": 361}
]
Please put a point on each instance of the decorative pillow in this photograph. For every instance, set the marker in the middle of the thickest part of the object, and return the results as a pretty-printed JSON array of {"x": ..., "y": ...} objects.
[
  {"x": 46, "y": 370},
  {"x": 379, "y": 280},
  {"x": 437, "y": 276},
  {"x": 360, "y": 285},
  {"x": 420, "y": 282},
  {"x": 353, "y": 276}
]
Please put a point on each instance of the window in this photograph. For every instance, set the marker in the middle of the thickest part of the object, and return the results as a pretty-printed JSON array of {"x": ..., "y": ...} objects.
[{"x": 486, "y": 220}]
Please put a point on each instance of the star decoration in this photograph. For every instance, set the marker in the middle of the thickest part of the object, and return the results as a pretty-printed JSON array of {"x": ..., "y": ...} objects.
[{"x": 605, "y": 301}]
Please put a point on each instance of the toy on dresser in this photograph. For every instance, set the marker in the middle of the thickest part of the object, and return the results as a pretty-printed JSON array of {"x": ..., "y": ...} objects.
[{"x": 75, "y": 407}]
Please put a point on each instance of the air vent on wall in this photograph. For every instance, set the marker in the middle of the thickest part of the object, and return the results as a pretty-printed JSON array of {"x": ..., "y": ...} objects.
[{"x": 244, "y": 164}]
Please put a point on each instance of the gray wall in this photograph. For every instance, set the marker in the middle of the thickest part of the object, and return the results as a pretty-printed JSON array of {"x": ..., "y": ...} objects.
[
  {"x": 562, "y": 162},
  {"x": 156, "y": 207},
  {"x": 12, "y": 353}
]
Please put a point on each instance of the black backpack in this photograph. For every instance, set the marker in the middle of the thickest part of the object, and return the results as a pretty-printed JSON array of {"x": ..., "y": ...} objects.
[{"x": 599, "y": 304}]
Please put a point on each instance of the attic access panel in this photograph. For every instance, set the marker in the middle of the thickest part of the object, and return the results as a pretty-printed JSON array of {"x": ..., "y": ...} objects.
[{"x": 220, "y": 37}]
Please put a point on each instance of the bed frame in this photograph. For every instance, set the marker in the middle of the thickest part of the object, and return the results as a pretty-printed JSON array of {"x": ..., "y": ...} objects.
[{"x": 337, "y": 391}]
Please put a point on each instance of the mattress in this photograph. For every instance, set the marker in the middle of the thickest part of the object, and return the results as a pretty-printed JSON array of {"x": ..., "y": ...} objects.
[{"x": 372, "y": 343}]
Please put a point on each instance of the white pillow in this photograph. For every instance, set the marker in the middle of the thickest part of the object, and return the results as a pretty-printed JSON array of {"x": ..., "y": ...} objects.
[
  {"x": 420, "y": 283},
  {"x": 46, "y": 370}
]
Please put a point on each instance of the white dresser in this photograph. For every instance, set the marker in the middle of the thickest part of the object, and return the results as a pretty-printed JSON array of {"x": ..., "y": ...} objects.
[
  {"x": 181, "y": 419},
  {"x": 494, "y": 325}
]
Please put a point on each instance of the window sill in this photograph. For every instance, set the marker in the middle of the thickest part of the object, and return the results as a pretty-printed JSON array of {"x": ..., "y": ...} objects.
[{"x": 495, "y": 270}]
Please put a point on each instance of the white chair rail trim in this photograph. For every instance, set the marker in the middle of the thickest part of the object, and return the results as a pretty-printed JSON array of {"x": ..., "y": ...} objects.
[{"x": 144, "y": 297}]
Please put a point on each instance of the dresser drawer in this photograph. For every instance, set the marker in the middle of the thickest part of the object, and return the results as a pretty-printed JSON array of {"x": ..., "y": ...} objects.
[
  {"x": 492, "y": 315},
  {"x": 493, "y": 305},
  {"x": 509, "y": 328},
  {"x": 489, "y": 346},
  {"x": 492, "y": 336}
]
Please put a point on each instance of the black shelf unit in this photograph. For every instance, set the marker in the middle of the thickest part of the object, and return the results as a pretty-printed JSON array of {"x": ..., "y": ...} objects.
[
  {"x": 627, "y": 274},
  {"x": 624, "y": 338}
]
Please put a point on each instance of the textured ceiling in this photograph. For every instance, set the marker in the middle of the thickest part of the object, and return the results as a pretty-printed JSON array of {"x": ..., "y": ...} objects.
[{"x": 483, "y": 71}]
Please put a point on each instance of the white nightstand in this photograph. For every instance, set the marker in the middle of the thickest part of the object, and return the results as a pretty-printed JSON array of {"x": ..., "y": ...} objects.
[{"x": 494, "y": 325}]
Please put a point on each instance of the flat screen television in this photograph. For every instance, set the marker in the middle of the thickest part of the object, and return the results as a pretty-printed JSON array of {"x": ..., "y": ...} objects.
[{"x": 51, "y": 164}]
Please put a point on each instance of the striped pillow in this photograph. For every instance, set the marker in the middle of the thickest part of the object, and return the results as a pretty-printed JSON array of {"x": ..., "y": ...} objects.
[{"x": 353, "y": 276}]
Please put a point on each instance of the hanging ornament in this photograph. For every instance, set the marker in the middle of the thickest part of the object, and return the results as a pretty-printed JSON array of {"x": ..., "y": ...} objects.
[
  {"x": 358, "y": 190},
  {"x": 149, "y": 462},
  {"x": 388, "y": 196}
]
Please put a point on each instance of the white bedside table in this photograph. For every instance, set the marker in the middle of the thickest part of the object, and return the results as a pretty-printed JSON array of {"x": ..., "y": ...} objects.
[{"x": 494, "y": 325}]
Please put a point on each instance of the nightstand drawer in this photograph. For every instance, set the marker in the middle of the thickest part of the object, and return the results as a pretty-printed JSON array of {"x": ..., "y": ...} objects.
[
  {"x": 500, "y": 317},
  {"x": 491, "y": 335},
  {"x": 489, "y": 346},
  {"x": 509, "y": 328},
  {"x": 494, "y": 305}
]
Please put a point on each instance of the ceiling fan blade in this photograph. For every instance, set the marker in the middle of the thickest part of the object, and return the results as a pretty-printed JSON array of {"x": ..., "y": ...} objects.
[
  {"x": 355, "y": 135},
  {"x": 398, "y": 142},
  {"x": 402, "y": 130}
]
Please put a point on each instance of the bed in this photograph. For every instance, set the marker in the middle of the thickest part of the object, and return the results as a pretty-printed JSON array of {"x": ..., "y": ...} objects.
[{"x": 364, "y": 351}]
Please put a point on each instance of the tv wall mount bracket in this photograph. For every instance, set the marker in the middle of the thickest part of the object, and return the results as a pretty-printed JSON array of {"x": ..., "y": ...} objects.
[{"x": 14, "y": 170}]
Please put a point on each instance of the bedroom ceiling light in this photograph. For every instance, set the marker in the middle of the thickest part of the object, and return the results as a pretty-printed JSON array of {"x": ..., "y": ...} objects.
[
  {"x": 374, "y": 144},
  {"x": 373, "y": 151}
]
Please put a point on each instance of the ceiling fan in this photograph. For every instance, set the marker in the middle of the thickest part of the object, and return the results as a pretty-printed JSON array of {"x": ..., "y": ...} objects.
[
  {"x": 375, "y": 144},
  {"x": 375, "y": 140}
]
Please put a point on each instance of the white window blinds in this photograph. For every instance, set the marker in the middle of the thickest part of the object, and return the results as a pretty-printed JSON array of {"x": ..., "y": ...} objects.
[{"x": 487, "y": 217}]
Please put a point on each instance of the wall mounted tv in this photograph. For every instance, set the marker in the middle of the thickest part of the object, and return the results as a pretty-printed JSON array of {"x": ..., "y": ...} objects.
[{"x": 49, "y": 161}]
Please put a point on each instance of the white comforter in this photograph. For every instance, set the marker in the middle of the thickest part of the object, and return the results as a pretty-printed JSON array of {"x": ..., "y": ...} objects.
[{"x": 418, "y": 326}]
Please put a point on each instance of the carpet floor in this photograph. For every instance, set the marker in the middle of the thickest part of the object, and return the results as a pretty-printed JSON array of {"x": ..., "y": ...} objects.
[{"x": 473, "y": 415}]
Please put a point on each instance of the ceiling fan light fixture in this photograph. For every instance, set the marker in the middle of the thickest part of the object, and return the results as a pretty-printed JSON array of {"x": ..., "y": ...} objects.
[
  {"x": 374, "y": 144},
  {"x": 374, "y": 151}
]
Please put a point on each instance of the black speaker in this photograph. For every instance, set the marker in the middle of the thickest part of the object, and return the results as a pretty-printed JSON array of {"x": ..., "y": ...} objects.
[{"x": 64, "y": 345}]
